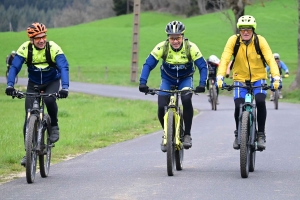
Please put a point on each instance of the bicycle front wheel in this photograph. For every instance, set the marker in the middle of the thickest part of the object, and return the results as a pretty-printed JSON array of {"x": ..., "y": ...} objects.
[
  {"x": 244, "y": 147},
  {"x": 179, "y": 153},
  {"x": 31, "y": 143},
  {"x": 276, "y": 97},
  {"x": 170, "y": 144},
  {"x": 45, "y": 156}
]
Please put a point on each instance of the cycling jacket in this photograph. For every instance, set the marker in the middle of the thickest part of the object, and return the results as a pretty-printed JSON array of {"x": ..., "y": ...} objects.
[
  {"x": 281, "y": 66},
  {"x": 40, "y": 72},
  {"x": 176, "y": 66},
  {"x": 248, "y": 65}
]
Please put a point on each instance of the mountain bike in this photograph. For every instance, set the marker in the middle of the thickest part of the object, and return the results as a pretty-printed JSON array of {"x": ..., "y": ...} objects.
[
  {"x": 213, "y": 97},
  {"x": 37, "y": 138},
  {"x": 247, "y": 129},
  {"x": 6, "y": 75},
  {"x": 173, "y": 128}
]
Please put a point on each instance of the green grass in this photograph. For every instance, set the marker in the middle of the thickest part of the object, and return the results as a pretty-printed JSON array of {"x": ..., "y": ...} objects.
[{"x": 100, "y": 52}]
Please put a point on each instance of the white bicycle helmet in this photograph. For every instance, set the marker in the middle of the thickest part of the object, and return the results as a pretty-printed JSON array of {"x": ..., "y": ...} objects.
[
  {"x": 246, "y": 20},
  {"x": 276, "y": 55},
  {"x": 213, "y": 59},
  {"x": 13, "y": 52},
  {"x": 175, "y": 27}
]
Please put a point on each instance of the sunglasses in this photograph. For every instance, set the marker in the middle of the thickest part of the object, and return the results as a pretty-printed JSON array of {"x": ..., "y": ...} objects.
[
  {"x": 243, "y": 30},
  {"x": 178, "y": 38},
  {"x": 37, "y": 39}
]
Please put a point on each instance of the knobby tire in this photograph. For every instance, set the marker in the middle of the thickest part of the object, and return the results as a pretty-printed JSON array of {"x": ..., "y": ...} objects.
[
  {"x": 170, "y": 144},
  {"x": 45, "y": 155},
  {"x": 31, "y": 154},
  {"x": 244, "y": 147},
  {"x": 214, "y": 97}
]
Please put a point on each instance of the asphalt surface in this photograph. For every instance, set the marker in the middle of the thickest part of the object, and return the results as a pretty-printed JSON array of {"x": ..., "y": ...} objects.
[{"x": 136, "y": 169}]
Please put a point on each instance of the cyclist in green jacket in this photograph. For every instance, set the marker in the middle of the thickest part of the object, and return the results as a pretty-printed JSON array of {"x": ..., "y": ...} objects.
[
  {"x": 42, "y": 73},
  {"x": 176, "y": 69}
]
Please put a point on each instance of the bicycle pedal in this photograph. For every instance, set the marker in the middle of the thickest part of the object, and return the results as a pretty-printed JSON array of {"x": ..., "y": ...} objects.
[
  {"x": 260, "y": 149},
  {"x": 186, "y": 148}
]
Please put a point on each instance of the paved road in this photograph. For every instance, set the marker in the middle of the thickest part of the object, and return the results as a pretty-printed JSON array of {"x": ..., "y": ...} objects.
[{"x": 136, "y": 169}]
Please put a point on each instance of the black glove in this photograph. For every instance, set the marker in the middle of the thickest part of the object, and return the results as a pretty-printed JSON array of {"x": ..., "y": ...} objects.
[
  {"x": 200, "y": 89},
  {"x": 144, "y": 88},
  {"x": 63, "y": 93},
  {"x": 10, "y": 90},
  {"x": 227, "y": 76}
]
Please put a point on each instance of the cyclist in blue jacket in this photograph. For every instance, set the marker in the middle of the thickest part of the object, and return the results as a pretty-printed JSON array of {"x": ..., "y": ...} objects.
[
  {"x": 176, "y": 69},
  {"x": 282, "y": 67},
  {"x": 40, "y": 72}
]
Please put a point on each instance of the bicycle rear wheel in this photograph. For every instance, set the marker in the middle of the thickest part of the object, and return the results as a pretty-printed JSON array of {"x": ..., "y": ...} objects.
[
  {"x": 214, "y": 97},
  {"x": 180, "y": 153},
  {"x": 252, "y": 160},
  {"x": 170, "y": 144},
  {"x": 45, "y": 156},
  {"x": 276, "y": 97},
  {"x": 244, "y": 147},
  {"x": 31, "y": 143}
]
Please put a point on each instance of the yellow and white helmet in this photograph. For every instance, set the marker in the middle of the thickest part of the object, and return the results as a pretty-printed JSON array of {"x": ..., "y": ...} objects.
[{"x": 246, "y": 20}]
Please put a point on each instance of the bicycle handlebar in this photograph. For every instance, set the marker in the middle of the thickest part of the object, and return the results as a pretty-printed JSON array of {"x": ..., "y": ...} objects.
[
  {"x": 20, "y": 94},
  {"x": 230, "y": 87},
  {"x": 154, "y": 91}
]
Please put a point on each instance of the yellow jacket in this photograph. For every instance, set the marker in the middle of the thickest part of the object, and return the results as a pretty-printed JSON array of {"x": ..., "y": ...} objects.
[{"x": 248, "y": 65}]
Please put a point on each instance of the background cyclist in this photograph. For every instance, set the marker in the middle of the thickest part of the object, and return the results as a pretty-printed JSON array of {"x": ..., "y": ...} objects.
[
  {"x": 282, "y": 67},
  {"x": 176, "y": 70},
  {"x": 9, "y": 59},
  {"x": 212, "y": 65},
  {"x": 40, "y": 73},
  {"x": 249, "y": 66}
]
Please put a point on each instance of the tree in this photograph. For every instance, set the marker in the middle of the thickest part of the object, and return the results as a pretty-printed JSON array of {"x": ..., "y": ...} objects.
[
  {"x": 238, "y": 9},
  {"x": 296, "y": 83},
  {"x": 122, "y": 7}
]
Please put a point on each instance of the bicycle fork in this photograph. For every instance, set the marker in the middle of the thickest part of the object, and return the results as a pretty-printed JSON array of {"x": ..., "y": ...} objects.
[{"x": 178, "y": 144}]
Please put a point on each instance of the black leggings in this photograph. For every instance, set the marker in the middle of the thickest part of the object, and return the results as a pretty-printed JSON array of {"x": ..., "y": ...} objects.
[
  {"x": 188, "y": 110},
  {"x": 260, "y": 101},
  {"x": 50, "y": 102}
]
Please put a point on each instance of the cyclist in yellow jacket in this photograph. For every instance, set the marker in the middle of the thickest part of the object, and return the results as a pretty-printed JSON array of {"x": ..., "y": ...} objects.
[{"x": 248, "y": 65}]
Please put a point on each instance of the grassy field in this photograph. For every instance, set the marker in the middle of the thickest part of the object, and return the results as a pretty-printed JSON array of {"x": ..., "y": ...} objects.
[{"x": 100, "y": 52}]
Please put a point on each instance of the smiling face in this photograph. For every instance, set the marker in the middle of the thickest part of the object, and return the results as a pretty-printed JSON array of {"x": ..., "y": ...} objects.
[
  {"x": 39, "y": 40},
  {"x": 175, "y": 40},
  {"x": 246, "y": 32}
]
